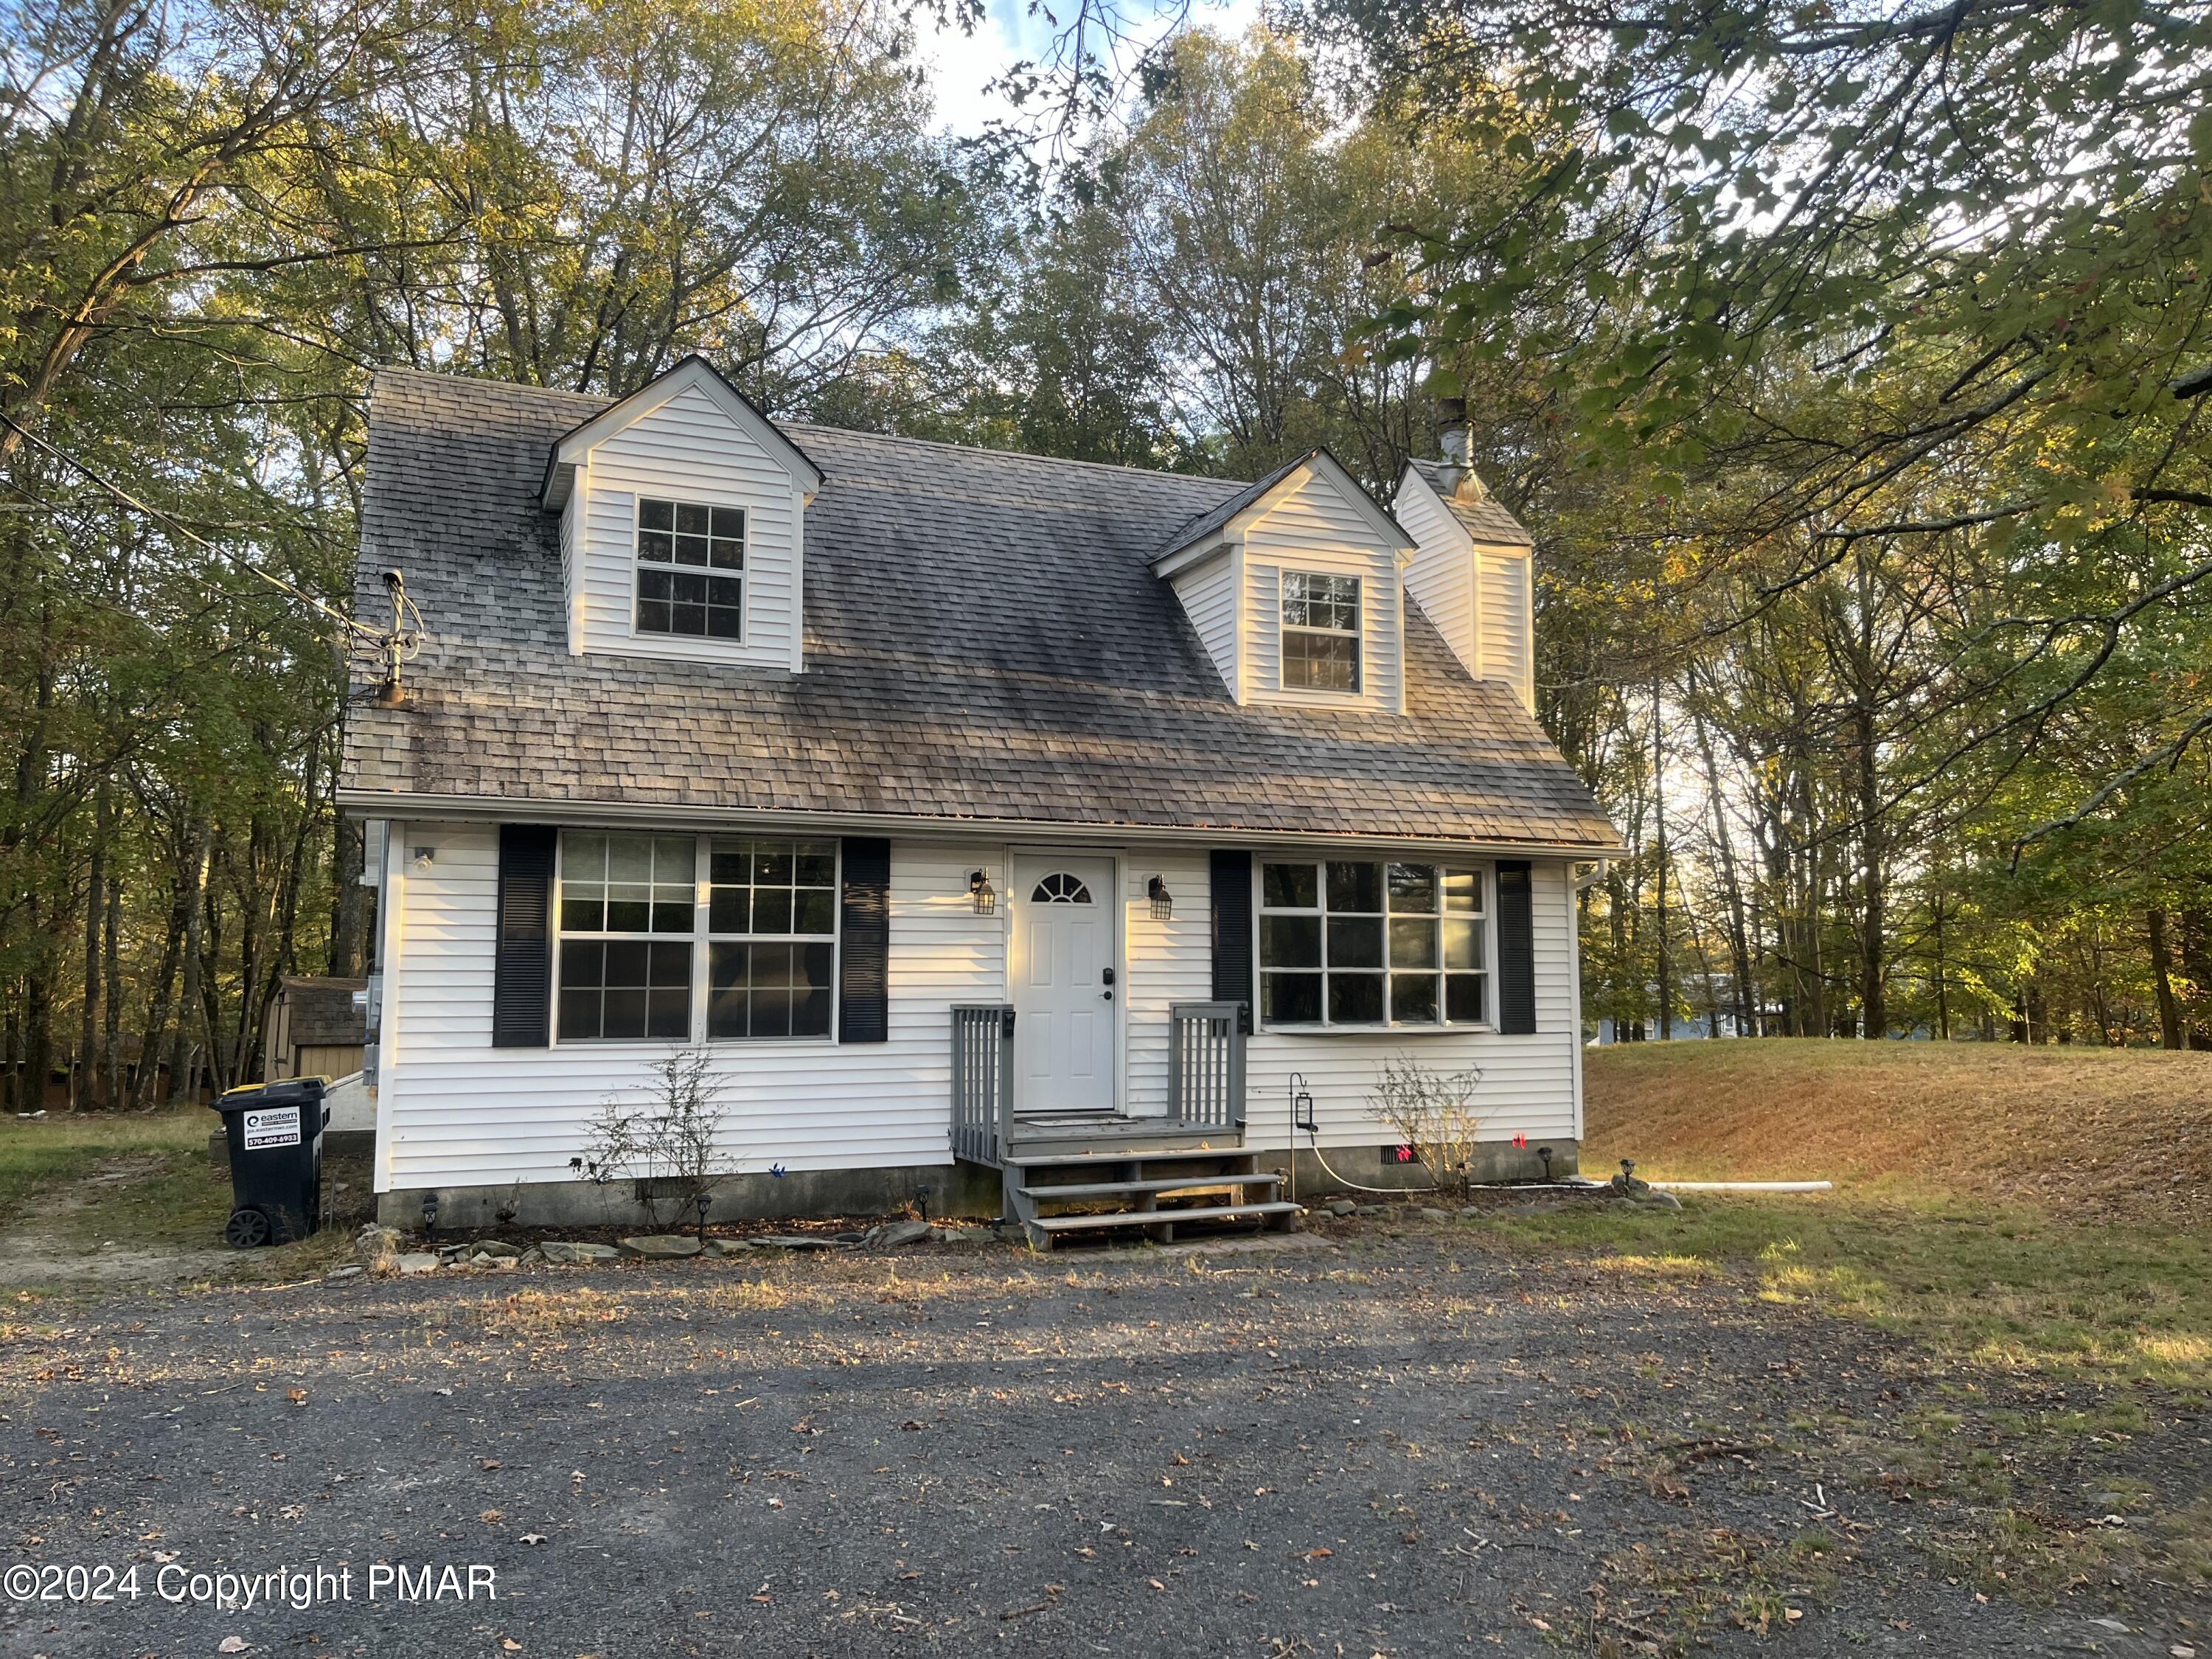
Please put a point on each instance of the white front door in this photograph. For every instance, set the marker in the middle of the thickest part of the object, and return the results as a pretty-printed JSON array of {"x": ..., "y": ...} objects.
[{"x": 1064, "y": 991}]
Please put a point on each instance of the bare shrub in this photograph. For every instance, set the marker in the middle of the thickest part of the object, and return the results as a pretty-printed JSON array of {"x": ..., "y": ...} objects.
[
  {"x": 1432, "y": 1112},
  {"x": 664, "y": 1146}
]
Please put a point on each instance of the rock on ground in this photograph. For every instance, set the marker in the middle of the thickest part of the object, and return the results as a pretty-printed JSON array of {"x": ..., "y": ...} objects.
[
  {"x": 378, "y": 1247},
  {"x": 661, "y": 1247},
  {"x": 417, "y": 1261},
  {"x": 894, "y": 1235}
]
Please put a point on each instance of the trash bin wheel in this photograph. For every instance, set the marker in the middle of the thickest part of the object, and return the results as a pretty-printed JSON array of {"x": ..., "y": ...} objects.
[{"x": 246, "y": 1230}]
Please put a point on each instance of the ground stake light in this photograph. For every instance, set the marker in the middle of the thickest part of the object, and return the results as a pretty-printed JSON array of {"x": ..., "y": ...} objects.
[{"x": 705, "y": 1201}]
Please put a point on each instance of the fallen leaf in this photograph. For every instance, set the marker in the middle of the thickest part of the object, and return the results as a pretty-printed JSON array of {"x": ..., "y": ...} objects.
[
  {"x": 491, "y": 1517},
  {"x": 1314, "y": 1555},
  {"x": 231, "y": 1645},
  {"x": 1538, "y": 1623},
  {"x": 533, "y": 1539},
  {"x": 1156, "y": 1583},
  {"x": 487, "y": 1463},
  {"x": 297, "y": 1396},
  {"x": 509, "y": 1645}
]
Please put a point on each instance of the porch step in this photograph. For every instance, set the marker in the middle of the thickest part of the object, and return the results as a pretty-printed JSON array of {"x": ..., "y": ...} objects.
[
  {"x": 1120, "y": 1155},
  {"x": 1178, "y": 1184},
  {"x": 1280, "y": 1215}
]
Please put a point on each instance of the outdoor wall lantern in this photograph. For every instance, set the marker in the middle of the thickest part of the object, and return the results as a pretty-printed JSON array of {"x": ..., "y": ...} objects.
[
  {"x": 1163, "y": 901},
  {"x": 430, "y": 1215},
  {"x": 424, "y": 858},
  {"x": 979, "y": 889}
]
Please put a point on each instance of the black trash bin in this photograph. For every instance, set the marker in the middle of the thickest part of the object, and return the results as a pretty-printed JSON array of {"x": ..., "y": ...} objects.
[{"x": 275, "y": 1136}]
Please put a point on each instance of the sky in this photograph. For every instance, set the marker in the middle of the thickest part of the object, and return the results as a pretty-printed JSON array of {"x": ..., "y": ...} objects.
[{"x": 962, "y": 66}]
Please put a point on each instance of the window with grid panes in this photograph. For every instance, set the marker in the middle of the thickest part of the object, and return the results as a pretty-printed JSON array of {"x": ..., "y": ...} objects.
[
  {"x": 627, "y": 915},
  {"x": 1355, "y": 942},
  {"x": 1321, "y": 632},
  {"x": 690, "y": 569},
  {"x": 630, "y": 920},
  {"x": 772, "y": 930}
]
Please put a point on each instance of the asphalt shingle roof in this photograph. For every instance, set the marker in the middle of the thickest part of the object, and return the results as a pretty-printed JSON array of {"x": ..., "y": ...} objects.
[
  {"x": 984, "y": 640},
  {"x": 1486, "y": 518}
]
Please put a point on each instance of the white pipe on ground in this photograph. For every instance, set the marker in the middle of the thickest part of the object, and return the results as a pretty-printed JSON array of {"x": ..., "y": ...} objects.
[{"x": 1746, "y": 1186}]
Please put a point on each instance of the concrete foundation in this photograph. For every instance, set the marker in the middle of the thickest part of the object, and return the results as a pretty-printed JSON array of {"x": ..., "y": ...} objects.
[
  {"x": 1370, "y": 1166},
  {"x": 959, "y": 1190},
  {"x": 971, "y": 1190}
]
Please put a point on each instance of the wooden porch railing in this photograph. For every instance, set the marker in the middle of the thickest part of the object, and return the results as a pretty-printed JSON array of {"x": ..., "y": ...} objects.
[
  {"x": 1206, "y": 1065},
  {"x": 982, "y": 1080}
]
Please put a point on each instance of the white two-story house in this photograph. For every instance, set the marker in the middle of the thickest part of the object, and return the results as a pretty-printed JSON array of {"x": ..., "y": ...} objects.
[{"x": 991, "y": 820}]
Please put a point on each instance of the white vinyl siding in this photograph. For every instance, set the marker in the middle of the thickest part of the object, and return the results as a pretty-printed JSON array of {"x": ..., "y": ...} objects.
[
  {"x": 688, "y": 449},
  {"x": 572, "y": 579},
  {"x": 455, "y": 1111},
  {"x": 1314, "y": 528},
  {"x": 1208, "y": 593},
  {"x": 1507, "y": 619},
  {"x": 1170, "y": 961},
  {"x": 1528, "y": 1083},
  {"x": 1441, "y": 578}
]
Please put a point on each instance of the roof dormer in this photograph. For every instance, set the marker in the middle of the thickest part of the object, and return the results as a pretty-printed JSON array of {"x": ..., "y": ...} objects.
[
  {"x": 1295, "y": 587},
  {"x": 1473, "y": 575},
  {"x": 683, "y": 513}
]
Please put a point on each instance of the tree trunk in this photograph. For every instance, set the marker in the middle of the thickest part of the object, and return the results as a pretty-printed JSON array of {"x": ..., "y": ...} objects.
[
  {"x": 147, "y": 1087},
  {"x": 2161, "y": 980},
  {"x": 2196, "y": 968},
  {"x": 1731, "y": 888},
  {"x": 1942, "y": 980},
  {"x": 111, "y": 1035},
  {"x": 1666, "y": 978},
  {"x": 191, "y": 1016},
  {"x": 1873, "y": 893},
  {"x": 81, "y": 1081},
  {"x": 349, "y": 903}
]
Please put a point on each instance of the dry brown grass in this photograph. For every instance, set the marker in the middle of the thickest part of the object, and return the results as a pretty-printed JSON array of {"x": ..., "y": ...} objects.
[{"x": 2093, "y": 1134}]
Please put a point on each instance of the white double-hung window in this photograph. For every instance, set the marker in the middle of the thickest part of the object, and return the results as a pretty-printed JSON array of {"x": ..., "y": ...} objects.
[
  {"x": 1354, "y": 942},
  {"x": 690, "y": 569},
  {"x": 1321, "y": 632},
  {"x": 650, "y": 951}
]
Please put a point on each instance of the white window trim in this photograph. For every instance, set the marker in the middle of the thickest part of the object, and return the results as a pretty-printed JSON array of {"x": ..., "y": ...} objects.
[
  {"x": 701, "y": 938},
  {"x": 1358, "y": 691},
  {"x": 1484, "y": 872},
  {"x": 742, "y": 576}
]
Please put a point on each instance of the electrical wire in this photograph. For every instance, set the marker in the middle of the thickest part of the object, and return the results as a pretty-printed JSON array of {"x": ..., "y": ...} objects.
[{"x": 381, "y": 638}]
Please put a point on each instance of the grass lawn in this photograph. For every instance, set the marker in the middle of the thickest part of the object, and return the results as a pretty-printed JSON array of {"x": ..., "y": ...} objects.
[
  {"x": 92, "y": 1201},
  {"x": 2039, "y": 1222}
]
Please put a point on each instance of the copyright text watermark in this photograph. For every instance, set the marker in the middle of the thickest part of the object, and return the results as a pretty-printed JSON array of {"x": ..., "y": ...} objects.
[{"x": 299, "y": 1588}]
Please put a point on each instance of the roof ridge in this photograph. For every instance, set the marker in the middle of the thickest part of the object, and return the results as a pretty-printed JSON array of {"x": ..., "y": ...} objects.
[
  {"x": 604, "y": 400},
  {"x": 901, "y": 438}
]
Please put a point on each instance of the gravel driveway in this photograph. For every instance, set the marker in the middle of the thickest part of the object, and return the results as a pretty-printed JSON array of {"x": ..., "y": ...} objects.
[{"x": 1408, "y": 1444}]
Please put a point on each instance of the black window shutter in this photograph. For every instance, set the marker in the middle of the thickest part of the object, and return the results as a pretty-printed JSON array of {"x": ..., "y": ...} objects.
[
  {"x": 1516, "y": 951},
  {"x": 1231, "y": 881},
  {"x": 864, "y": 958},
  {"x": 522, "y": 963}
]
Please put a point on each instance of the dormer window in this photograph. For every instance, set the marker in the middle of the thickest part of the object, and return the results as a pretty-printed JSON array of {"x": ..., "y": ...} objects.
[
  {"x": 690, "y": 569},
  {"x": 1321, "y": 632}
]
